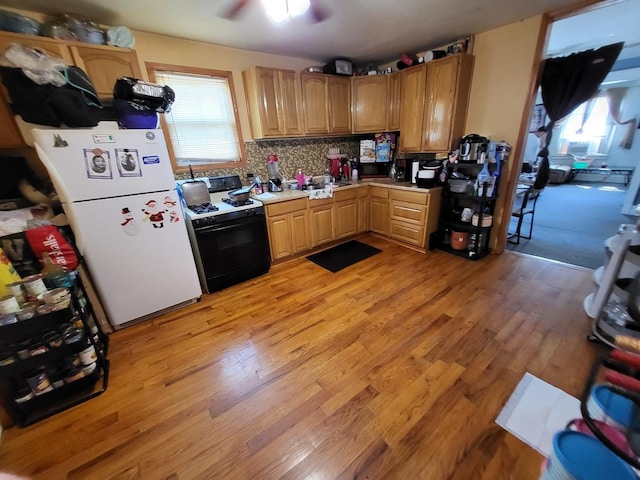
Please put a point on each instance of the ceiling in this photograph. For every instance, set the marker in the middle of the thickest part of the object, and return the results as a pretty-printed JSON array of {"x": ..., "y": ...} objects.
[{"x": 367, "y": 31}]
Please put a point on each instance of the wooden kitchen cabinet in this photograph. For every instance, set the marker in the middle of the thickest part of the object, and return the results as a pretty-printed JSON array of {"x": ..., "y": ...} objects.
[
  {"x": 448, "y": 84},
  {"x": 393, "y": 100},
  {"x": 407, "y": 216},
  {"x": 379, "y": 210},
  {"x": 370, "y": 103},
  {"x": 434, "y": 103},
  {"x": 362, "y": 209},
  {"x": 274, "y": 98},
  {"x": 288, "y": 226},
  {"x": 315, "y": 103},
  {"x": 339, "y": 93},
  {"x": 412, "y": 108},
  {"x": 103, "y": 64},
  {"x": 346, "y": 212},
  {"x": 321, "y": 219}
]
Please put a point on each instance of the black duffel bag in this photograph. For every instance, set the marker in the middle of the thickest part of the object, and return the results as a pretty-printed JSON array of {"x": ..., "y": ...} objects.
[{"x": 75, "y": 104}]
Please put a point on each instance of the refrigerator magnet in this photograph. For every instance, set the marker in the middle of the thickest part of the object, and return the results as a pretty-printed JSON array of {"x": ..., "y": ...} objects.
[
  {"x": 98, "y": 163},
  {"x": 128, "y": 162}
]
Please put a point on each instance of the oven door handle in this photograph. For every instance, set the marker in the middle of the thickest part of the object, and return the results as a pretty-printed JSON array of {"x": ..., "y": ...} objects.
[{"x": 220, "y": 227}]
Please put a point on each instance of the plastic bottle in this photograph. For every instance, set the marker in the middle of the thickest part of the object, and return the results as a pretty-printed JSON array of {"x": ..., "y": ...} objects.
[
  {"x": 54, "y": 275},
  {"x": 300, "y": 178}
]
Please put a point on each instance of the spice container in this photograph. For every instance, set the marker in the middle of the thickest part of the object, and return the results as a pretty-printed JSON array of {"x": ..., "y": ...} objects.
[
  {"x": 72, "y": 336},
  {"x": 38, "y": 348},
  {"x": 23, "y": 395},
  {"x": 89, "y": 369},
  {"x": 88, "y": 355},
  {"x": 8, "y": 319},
  {"x": 23, "y": 348},
  {"x": 58, "y": 297},
  {"x": 7, "y": 357},
  {"x": 53, "y": 339},
  {"x": 45, "y": 309}
]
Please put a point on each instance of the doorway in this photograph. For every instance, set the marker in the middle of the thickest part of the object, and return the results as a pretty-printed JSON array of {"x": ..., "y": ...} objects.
[{"x": 575, "y": 217}]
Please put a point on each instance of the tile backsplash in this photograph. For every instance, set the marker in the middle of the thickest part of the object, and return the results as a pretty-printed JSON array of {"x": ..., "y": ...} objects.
[{"x": 309, "y": 154}]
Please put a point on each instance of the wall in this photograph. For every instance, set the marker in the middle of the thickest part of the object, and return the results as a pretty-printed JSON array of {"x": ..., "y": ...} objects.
[{"x": 504, "y": 59}]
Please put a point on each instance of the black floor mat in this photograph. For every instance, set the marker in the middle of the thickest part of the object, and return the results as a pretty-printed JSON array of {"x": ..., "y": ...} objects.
[{"x": 343, "y": 255}]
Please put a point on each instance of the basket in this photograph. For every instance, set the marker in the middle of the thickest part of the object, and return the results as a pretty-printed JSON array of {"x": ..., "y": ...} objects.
[{"x": 581, "y": 164}]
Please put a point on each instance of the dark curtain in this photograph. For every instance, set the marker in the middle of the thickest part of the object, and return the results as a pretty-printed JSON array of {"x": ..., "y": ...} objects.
[{"x": 566, "y": 83}]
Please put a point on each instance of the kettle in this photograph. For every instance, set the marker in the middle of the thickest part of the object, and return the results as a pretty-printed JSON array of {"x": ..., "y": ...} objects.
[{"x": 471, "y": 146}]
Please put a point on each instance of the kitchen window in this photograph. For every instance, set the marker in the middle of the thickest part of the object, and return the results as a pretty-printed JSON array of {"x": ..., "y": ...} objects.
[{"x": 203, "y": 125}]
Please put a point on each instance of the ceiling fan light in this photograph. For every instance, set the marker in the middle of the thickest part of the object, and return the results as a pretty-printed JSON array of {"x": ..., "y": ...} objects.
[
  {"x": 298, "y": 7},
  {"x": 276, "y": 10}
]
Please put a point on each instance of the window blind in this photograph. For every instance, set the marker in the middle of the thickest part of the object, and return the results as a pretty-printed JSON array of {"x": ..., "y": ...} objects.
[{"x": 201, "y": 122}]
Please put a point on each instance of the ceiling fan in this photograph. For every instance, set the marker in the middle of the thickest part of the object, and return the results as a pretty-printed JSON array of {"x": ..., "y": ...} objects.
[{"x": 285, "y": 9}]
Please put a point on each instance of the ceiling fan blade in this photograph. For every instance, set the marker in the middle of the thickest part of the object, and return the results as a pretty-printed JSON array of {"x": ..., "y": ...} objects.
[
  {"x": 235, "y": 9},
  {"x": 317, "y": 12}
]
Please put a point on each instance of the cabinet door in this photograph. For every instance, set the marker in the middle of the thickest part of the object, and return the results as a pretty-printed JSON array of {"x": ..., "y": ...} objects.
[
  {"x": 362, "y": 207},
  {"x": 346, "y": 215},
  {"x": 280, "y": 236},
  {"x": 448, "y": 82},
  {"x": 393, "y": 97},
  {"x": 412, "y": 108},
  {"x": 379, "y": 215},
  {"x": 315, "y": 103},
  {"x": 268, "y": 92},
  {"x": 339, "y": 89},
  {"x": 321, "y": 224},
  {"x": 291, "y": 102},
  {"x": 105, "y": 64},
  {"x": 370, "y": 103},
  {"x": 300, "y": 231}
]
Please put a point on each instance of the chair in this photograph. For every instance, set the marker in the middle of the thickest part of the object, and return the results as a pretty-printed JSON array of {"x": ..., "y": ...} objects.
[{"x": 525, "y": 204}]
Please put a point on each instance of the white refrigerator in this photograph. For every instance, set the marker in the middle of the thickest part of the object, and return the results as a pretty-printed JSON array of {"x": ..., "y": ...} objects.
[{"x": 119, "y": 194}]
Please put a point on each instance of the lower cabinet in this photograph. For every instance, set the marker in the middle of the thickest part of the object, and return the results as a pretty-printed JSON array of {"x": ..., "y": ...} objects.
[
  {"x": 362, "y": 210},
  {"x": 321, "y": 218},
  {"x": 346, "y": 212},
  {"x": 407, "y": 216},
  {"x": 379, "y": 210},
  {"x": 288, "y": 224}
]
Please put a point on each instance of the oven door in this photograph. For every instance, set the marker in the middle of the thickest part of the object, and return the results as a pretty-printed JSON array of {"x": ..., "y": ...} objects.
[{"x": 233, "y": 251}]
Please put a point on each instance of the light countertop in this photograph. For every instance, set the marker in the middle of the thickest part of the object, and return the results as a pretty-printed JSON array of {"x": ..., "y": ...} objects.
[{"x": 288, "y": 194}]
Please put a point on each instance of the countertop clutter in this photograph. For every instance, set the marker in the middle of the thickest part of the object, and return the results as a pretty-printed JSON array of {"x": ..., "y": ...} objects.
[{"x": 291, "y": 194}]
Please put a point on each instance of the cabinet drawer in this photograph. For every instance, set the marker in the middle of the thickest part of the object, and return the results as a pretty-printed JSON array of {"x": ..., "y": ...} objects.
[
  {"x": 407, "y": 232},
  {"x": 379, "y": 192},
  {"x": 289, "y": 206},
  {"x": 349, "y": 194},
  {"x": 318, "y": 202},
  {"x": 408, "y": 212},
  {"x": 412, "y": 197}
]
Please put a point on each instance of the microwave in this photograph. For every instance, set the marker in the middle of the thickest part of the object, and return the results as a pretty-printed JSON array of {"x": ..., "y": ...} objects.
[{"x": 373, "y": 170}]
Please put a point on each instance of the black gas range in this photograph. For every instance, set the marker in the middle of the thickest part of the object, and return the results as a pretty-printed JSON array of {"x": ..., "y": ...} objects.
[{"x": 229, "y": 239}]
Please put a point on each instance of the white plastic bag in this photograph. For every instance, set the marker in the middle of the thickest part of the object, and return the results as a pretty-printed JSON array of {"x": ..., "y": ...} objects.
[{"x": 39, "y": 66}]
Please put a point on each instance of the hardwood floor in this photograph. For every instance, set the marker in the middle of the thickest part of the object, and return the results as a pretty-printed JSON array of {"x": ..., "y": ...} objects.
[{"x": 394, "y": 368}]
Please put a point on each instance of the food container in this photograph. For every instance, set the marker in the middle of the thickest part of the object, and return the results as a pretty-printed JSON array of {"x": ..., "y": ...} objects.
[
  {"x": 9, "y": 304},
  {"x": 459, "y": 185},
  {"x": 23, "y": 395},
  {"x": 34, "y": 285},
  {"x": 58, "y": 297},
  {"x": 610, "y": 407},
  {"x": 487, "y": 220},
  {"x": 39, "y": 382},
  {"x": 27, "y": 312},
  {"x": 53, "y": 339},
  {"x": 17, "y": 290},
  {"x": 45, "y": 309},
  {"x": 459, "y": 240},
  {"x": 88, "y": 355},
  {"x": 13, "y": 22},
  {"x": 73, "y": 374},
  {"x": 8, "y": 319}
]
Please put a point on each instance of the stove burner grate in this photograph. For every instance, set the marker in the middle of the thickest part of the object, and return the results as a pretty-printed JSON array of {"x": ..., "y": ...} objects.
[
  {"x": 203, "y": 208},
  {"x": 235, "y": 203}
]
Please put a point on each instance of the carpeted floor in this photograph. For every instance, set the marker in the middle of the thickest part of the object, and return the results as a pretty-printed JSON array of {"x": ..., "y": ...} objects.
[{"x": 573, "y": 220}]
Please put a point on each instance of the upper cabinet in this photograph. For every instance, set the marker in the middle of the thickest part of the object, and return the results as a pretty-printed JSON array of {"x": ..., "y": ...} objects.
[
  {"x": 274, "y": 99},
  {"x": 370, "y": 103},
  {"x": 434, "y": 104},
  {"x": 339, "y": 92},
  {"x": 315, "y": 103},
  {"x": 393, "y": 101},
  {"x": 103, "y": 64}
]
